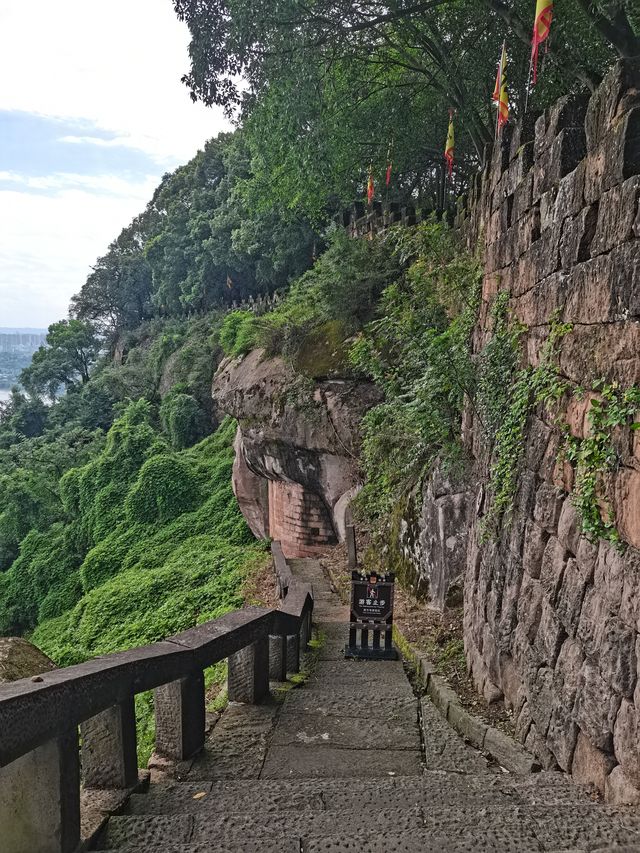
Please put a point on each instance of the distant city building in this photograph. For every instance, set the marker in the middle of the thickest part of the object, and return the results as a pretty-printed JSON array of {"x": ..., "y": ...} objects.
[{"x": 25, "y": 341}]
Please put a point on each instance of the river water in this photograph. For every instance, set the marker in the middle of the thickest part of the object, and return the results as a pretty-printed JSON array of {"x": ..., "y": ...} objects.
[{"x": 5, "y": 393}]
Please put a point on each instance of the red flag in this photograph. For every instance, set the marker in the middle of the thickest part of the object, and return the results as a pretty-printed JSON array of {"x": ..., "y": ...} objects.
[
  {"x": 450, "y": 146},
  {"x": 371, "y": 190},
  {"x": 387, "y": 179}
]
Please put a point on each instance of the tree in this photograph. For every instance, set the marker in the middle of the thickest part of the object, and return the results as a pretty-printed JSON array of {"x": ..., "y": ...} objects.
[
  {"x": 247, "y": 39},
  {"x": 327, "y": 87},
  {"x": 71, "y": 349},
  {"x": 117, "y": 293}
]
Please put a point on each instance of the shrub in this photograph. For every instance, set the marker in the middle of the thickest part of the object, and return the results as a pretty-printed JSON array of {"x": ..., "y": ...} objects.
[
  {"x": 237, "y": 334},
  {"x": 166, "y": 488},
  {"x": 183, "y": 420}
]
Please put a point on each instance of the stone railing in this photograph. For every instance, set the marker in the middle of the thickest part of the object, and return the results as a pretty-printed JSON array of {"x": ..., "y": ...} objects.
[
  {"x": 260, "y": 304},
  {"x": 362, "y": 220},
  {"x": 41, "y": 760}
]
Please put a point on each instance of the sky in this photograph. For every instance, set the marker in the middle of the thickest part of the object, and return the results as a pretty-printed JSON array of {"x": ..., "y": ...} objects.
[{"x": 92, "y": 114}]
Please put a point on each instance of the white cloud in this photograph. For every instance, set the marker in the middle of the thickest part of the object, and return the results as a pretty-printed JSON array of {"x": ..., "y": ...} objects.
[
  {"x": 117, "y": 64},
  {"x": 49, "y": 242},
  {"x": 113, "y": 70},
  {"x": 111, "y": 184}
]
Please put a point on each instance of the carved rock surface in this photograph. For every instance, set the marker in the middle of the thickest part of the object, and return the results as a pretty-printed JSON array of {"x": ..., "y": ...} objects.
[{"x": 297, "y": 448}]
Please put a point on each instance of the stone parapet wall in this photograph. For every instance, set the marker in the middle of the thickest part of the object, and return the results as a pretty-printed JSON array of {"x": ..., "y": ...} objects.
[{"x": 552, "y": 619}]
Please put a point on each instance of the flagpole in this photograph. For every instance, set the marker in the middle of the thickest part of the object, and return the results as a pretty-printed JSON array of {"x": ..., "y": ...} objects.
[
  {"x": 526, "y": 100},
  {"x": 500, "y": 71}
]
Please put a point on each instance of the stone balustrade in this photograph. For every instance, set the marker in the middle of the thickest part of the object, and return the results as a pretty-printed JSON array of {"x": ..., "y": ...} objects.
[
  {"x": 41, "y": 759},
  {"x": 362, "y": 220}
]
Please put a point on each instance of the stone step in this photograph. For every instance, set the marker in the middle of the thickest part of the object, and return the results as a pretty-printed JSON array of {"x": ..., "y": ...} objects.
[
  {"x": 239, "y": 826},
  {"x": 437, "y": 788},
  {"x": 373, "y": 829},
  {"x": 312, "y": 813}
]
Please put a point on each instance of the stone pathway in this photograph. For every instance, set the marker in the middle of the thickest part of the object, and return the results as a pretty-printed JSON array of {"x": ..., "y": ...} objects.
[{"x": 354, "y": 761}]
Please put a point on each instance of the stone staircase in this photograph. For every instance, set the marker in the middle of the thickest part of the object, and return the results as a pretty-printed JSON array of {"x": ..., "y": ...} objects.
[{"x": 353, "y": 761}]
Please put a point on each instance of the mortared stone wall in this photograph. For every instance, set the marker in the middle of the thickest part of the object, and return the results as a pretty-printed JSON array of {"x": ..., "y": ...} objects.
[{"x": 551, "y": 619}]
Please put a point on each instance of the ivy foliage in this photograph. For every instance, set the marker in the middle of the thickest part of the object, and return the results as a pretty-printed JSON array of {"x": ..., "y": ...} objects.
[
  {"x": 595, "y": 456},
  {"x": 509, "y": 411},
  {"x": 418, "y": 350}
]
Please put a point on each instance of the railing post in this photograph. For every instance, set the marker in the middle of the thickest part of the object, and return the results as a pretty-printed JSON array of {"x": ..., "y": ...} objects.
[
  {"x": 352, "y": 554},
  {"x": 305, "y": 631},
  {"x": 180, "y": 717},
  {"x": 248, "y": 677},
  {"x": 40, "y": 799},
  {"x": 109, "y": 758},
  {"x": 293, "y": 653},
  {"x": 278, "y": 658}
]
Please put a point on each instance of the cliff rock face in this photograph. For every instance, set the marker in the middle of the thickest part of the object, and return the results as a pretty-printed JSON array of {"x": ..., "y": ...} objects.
[
  {"x": 552, "y": 619},
  {"x": 20, "y": 659},
  {"x": 297, "y": 448}
]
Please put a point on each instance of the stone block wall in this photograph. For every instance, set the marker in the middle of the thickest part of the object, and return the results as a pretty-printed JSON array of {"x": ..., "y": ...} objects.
[
  {"x": 298, "y": 520},
  {"x": 552, "y": 619}
]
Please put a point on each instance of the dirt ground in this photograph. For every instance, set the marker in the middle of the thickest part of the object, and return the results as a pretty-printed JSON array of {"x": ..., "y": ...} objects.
[{"x": 438, "y": 634}]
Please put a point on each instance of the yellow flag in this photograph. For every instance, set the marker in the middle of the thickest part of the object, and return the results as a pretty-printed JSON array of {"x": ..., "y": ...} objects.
[
  {"x": 450, "y": 146},
  {"x": 501, "y": 94},
  {"x": 541, "y": 30}
]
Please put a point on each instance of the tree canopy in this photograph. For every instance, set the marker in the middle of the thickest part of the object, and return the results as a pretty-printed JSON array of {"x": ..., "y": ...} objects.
[{"x": 324, "y": 89}]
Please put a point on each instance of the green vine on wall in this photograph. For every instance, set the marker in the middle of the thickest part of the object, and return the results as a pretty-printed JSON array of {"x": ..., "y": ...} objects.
[
  {"x": 530, "y": 386},
  {"x": 594, "y": 456}
]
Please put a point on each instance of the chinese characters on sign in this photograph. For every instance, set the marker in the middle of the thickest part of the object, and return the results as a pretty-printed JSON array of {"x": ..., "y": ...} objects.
[{"x": 371, "y": 613}]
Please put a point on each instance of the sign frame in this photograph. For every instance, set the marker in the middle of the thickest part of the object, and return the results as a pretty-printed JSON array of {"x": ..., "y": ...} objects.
[{"x": 372, "y": 599}]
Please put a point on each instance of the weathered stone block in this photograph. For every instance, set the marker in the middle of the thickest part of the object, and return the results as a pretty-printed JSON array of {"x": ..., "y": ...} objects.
[
  {"x": 627, "y": 505},
  {"x": 537, "y": 440},
  {"x": 615, "y": 159},
  {"x": 626, "y": 743},
  {"x": 570, "y": 196},
  {"x": 522, "y": 198},
  {"x": 541, "y": 699},
  {"x": 537, "y": 744},
  {"x": 564, "y": 155},
  {"x": 530, "y": 606},
  {"x": 617, "y": 93},
  {"x": 590, "y": 766},
  {"x": 626, "y": 577},
  {"x": 618, "y": 656},
  {"x": 535, "y": 542},
  {"x": 278, "y": 658},
  {"x": 568, "y": 111},
  {"x": 592, "y": 619},
  {"x": 610, "y": 350},
  {"x": 587, "y": 300},
  {"x": 550, "y": 636},
  {"x": 523, "y": 132},
  {"x": 554, "y": 561},
  {"x": 548, "y": 506},
  {"x": 617, "y": 212},
  {"x": 523, "y": 723},
  {"x": 563, "y": 731},
  {"x": 619, "y": 790},
  {"x": 547, "y": 206},
  {"x": 571, "y": 595},
  {"x": 569, "y": 527},
  {"x": 597, "y": 707},
  {"x": 577, "y": 234}
]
